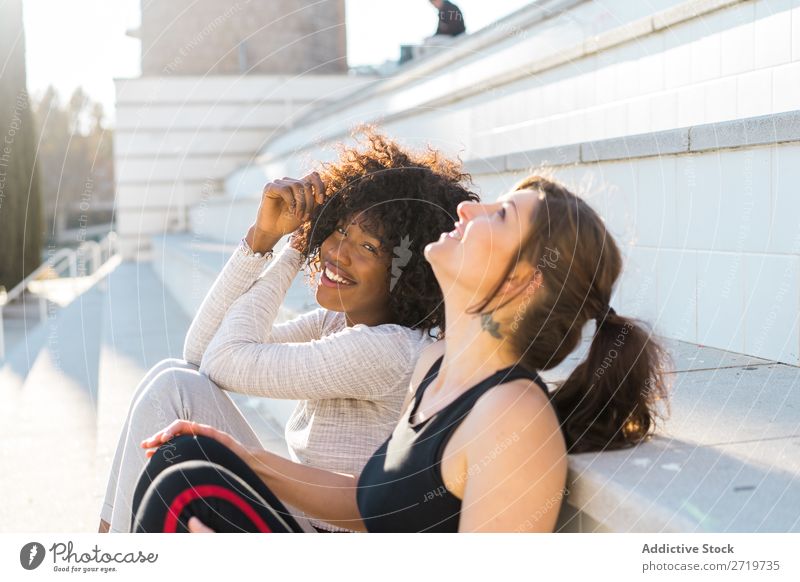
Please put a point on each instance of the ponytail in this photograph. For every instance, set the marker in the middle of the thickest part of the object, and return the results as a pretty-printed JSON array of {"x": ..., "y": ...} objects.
[{"x": 610, "y": 400}]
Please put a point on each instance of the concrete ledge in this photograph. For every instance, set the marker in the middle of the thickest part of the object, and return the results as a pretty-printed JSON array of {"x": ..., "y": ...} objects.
[
  {"x": 528, "y": 17},
  {"x": 556, "y": 156},
  {"x": 688, "y": 11},
  {"x": 762, "y": 130},
  {"x": 753, "y": 131},
  {"x": 670, "y": 485},
  {"x": 674, "y": 141},
  {"x": 493, "y": 165},
  {"x": 625, "y": 33},
  {"x": 464, "y": 47}
]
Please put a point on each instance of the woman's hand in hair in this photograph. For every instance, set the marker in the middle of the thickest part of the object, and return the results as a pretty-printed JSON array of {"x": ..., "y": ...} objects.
[{"x": 288, "y": 203}]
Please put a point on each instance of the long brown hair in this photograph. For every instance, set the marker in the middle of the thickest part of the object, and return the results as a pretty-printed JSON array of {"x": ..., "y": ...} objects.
[{"x": 611, "y": 399}]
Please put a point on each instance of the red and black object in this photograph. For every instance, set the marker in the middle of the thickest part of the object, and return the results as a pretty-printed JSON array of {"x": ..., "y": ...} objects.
[{"x": 199, "y": 476}]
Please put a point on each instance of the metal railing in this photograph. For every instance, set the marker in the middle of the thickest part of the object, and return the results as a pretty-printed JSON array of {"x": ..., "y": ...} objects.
[{"x": 98, "y": 254}]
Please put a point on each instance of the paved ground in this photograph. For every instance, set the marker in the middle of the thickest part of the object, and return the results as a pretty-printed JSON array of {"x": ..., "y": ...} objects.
[{"x": 65, "y": 388}]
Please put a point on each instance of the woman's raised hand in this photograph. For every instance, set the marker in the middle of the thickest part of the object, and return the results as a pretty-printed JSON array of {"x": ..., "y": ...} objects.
[{"x": 288, "y": 203}]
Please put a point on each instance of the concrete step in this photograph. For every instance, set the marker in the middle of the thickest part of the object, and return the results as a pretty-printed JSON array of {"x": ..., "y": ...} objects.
[
  {"x": 189, "y": 264},
  {"x": 48, "y": 424},
  {"x": 25, "y": 307},
  {"x": 61, "y": 290},
  {"x": 142, "y": 324},
  {"x": 24, "y": 340},
  {"x": 24, "y": 319},
  {"x": 726, "y": 460},
  {"x": 23, "y": 334}
]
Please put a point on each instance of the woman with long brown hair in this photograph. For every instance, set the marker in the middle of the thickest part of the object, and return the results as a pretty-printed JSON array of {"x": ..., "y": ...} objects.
[{"x": 482, "y": 443}]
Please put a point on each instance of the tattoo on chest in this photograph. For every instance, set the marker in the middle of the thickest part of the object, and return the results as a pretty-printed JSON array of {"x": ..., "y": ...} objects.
[{"x": 489, "y": 324}]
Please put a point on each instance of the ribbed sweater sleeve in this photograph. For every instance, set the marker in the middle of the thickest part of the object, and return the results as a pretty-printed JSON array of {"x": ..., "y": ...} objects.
[
  {"x": 361, "y": 362},
  {"x": 236, "y": 277}
]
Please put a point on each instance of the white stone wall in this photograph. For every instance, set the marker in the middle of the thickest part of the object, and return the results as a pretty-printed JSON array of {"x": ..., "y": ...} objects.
[
  {"x": 712, "y": 237},
  {"x": 712, "y": 242},
  {"x": 738, "y": 61}
]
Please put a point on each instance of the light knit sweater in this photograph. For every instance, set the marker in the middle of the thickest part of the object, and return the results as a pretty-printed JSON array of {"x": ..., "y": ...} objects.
[{"x": 350, "y": 381}]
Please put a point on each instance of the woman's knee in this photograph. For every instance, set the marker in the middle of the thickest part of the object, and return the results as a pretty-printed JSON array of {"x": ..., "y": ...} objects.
[
  {"x": 170, "y": 381},
  {"x": 215, "y": 494},
  {"x": 184, "y": 448},
  {"x": 165, "y": 364},
  {"x": 169, "y": 364},
  {"x": 161, "y": 397},
  {"x": 207, "y": 468},
  {"x": 175, "y": 393}
]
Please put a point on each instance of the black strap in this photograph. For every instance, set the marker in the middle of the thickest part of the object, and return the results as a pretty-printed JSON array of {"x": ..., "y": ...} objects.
[{"x": 509, "y": 374}]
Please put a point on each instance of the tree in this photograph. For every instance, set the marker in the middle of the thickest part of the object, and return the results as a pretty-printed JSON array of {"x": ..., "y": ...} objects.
[
  {"x": 77, "y": 163},
  {"x": 21, "y": 232}
]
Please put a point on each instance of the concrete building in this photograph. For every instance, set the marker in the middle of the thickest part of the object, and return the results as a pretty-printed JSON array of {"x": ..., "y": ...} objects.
[
  {"x": 209, "y": 37},
  {"x": 219, "y": 80}
]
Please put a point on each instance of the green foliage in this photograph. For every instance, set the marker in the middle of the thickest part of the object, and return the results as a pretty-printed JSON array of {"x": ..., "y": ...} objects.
[
  {"x": 20, "y": 200},
  {"x": 76, "y": 159}
]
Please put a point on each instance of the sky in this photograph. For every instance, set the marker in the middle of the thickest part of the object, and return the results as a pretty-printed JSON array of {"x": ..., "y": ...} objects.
[{"x": 73, "y": 43}]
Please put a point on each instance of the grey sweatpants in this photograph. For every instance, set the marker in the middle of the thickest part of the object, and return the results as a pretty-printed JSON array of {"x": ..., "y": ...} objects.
[{"x": 170, "y": 390}]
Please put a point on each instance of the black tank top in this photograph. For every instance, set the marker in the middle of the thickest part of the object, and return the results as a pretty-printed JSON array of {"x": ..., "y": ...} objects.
[{"x": 401, "y": 487}]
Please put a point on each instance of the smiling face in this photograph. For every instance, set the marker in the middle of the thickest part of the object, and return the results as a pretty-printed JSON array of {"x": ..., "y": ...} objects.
[
  {"x": 355, "y": 273},
  {"x": 475, "y": 255}
]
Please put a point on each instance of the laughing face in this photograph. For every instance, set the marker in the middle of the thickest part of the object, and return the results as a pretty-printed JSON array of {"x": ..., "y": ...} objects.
[
  {"x": 475, "y": 254},
  {"x": 355, "y": 273}
]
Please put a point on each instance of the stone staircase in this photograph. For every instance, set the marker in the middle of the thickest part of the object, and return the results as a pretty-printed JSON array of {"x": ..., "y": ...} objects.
[
  {"x": 49, "y": 390},
  {"x": 65, "y": 388}
]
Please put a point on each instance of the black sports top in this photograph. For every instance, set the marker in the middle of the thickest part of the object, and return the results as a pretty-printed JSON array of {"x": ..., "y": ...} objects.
[{"x": 401, "y": 487}]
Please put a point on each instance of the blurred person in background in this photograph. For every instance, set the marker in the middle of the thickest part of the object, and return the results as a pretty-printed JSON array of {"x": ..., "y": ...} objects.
[{"x": 451, "y": 20}]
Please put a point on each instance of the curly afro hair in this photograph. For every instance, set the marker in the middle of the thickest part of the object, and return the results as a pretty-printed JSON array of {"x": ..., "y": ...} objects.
[{"x": 410, "y": 198}]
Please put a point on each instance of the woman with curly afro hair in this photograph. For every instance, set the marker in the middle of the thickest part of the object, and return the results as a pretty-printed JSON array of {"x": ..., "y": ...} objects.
[{"x": 360, "y": 224}]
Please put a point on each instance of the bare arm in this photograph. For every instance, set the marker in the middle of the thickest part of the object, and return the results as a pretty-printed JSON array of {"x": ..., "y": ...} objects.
[
  {"x": 322, "y": 494},
  {"x": 521, "y": 455}
]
